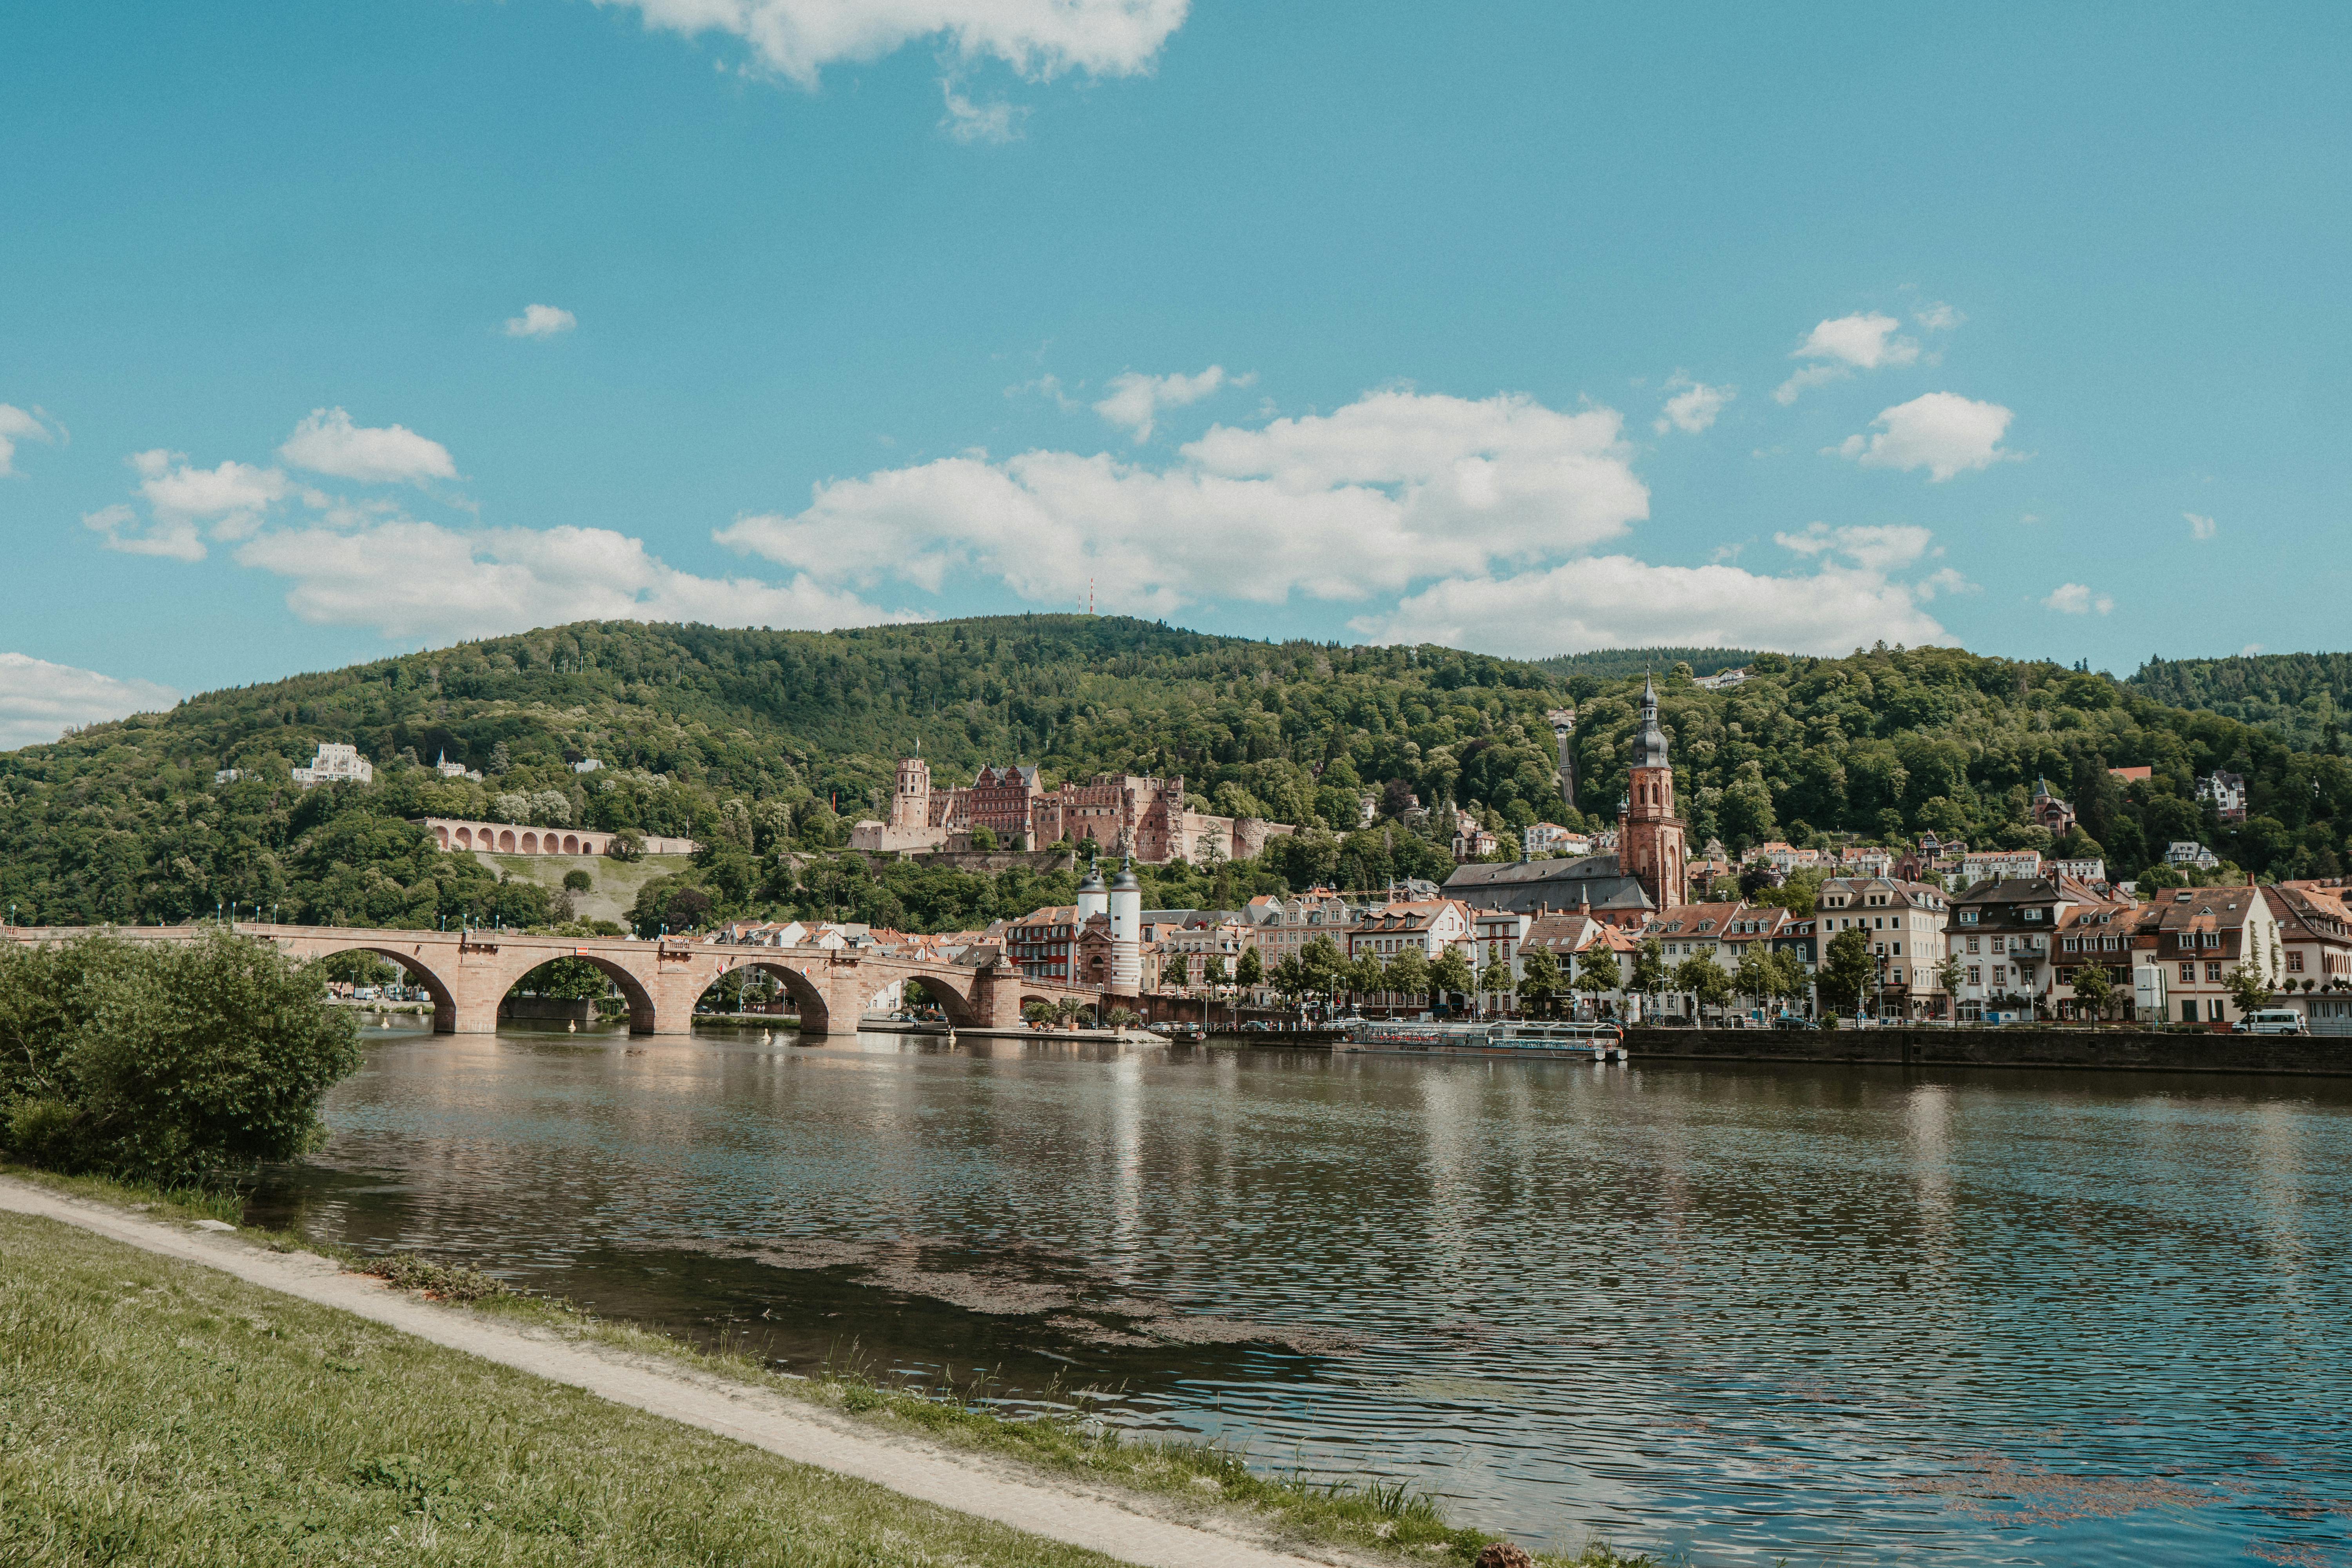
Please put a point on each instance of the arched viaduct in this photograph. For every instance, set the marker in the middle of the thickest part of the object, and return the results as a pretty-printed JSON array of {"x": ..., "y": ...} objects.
[{"x": 468, "y": 973}]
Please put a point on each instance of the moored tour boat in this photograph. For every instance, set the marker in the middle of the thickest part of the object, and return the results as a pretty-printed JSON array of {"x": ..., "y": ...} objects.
[{"x": 1493, "y": 1038}]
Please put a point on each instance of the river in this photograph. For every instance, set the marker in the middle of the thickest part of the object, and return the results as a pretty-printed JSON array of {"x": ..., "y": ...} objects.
[{"x": 1860, "y": 1316}]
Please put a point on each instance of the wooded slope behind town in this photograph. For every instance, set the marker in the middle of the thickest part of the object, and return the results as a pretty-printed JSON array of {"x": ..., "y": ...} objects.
[{"x": 762, "y": 744}]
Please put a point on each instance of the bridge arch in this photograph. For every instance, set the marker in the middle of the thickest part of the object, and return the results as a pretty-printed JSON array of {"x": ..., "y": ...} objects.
[
  {"x": 808, "y": 996},
  {"x": 633, "y": 990},
  {"x": 957, "y": 1005},
  {"x": 409, "y": 957}
]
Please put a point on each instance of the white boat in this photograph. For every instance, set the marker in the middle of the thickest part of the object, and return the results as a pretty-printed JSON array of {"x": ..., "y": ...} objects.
[{"x": 1493, "y": 1038}]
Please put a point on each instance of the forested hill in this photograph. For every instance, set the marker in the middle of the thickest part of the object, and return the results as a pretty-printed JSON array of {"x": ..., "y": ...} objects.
[
  {"x": 2302, "y": 694},
  {"x": 1619, "y": 663},
  {"x": 765, "y": 745}
]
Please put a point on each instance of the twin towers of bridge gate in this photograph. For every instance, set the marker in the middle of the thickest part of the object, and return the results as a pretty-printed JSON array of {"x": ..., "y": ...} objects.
[
  {"x": 1122, "y": 906},
  {"x": 1650, "y": 844}
]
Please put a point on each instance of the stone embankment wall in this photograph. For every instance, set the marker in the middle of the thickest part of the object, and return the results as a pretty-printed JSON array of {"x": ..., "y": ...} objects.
[{"x": 2127, "y": 1050}]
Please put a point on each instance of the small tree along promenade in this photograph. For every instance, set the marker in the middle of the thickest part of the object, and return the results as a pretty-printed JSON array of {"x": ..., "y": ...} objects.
[{"x": 468, "y": 973}]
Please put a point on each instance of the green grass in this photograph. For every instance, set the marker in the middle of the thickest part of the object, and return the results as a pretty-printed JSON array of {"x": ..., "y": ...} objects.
[
  {"x": 613, "y": 883},
  {"x": 159, "y": 1412},
  {"x": 1367, "y": 1515}
]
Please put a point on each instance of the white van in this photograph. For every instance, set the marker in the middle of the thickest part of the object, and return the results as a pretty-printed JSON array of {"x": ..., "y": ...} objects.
[{"x": 2275, "y": 1021}]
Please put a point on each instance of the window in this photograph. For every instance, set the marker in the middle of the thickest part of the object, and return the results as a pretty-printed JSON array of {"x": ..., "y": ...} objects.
[
  {"x": 2295, "y": 963},
  {"x": 1976, "y": 975},
  {"x": 1972, "y": 943},
  {"x": 2000, "y": 974},
  {"x": 2212, "y": 975},
  {"x": 2212, "y": 939},
  {"x": 2189, "y": 973},
  {"x": 2033, "y": 914},
  {"x": 2000, "y": 944},
  {"x": 2213, "y": 1010},
  {"x": 2188, "y": 1012},
  {"x": 2073, "y": 945}
]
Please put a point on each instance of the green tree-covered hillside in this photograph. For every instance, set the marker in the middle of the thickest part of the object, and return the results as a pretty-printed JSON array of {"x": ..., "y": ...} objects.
[
  {"x": 2302, "y": 694},
  {"x": 766, "y": 745}
]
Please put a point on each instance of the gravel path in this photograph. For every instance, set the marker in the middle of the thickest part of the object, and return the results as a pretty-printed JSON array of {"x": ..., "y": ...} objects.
[{"x": 1112, "y": 1524}]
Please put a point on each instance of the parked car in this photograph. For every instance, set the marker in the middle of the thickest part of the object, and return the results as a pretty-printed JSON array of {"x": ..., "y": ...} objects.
[
  {"x": 1791, "y": 1021},
  {"x": 2275, "y": 1021}
]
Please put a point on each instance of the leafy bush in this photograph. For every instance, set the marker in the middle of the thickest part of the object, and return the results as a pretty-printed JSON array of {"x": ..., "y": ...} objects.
[
  {"x": 577, "y": 881},
  {"x": 164, "y": 1062}
]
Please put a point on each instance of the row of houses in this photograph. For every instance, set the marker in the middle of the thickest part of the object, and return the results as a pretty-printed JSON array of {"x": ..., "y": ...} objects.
[{"x": 2008, "y": 948}]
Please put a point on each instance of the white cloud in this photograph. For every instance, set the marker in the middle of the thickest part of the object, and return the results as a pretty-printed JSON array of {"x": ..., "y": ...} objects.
[
  {"x": 1867, "y": 343},
  {"x": 969, "y": 122},
  {"x": 405, "y": 578},
  {"x": 2075, "y": 599},
  {"x": 174, "y": 539},
  {"x": 2199, "y": 527},
  {"x": 541, "y": 322},
  {"x": 1047, "y": 385},
  {"x": 1136, "y": 400},
  {"x": 1941, "y": 432},
  {"x": 1393, "y": 487},
  {"x": 39, "y": 700},
  {"x": 1844, "y": 346},
  {"x": 230, "y": 502},
  {"x": 2251, "y": 650},
  {"x": 1693, "y": 408},
  {"x": 1615, "y": 600},
  {"x": 17, "y": 425},
  {"x": 797, "y": 39},
  {"x": 1879, "y": 547},
  {"x": 329, "y": 442},
  {"x": 1938, "y": 318}
]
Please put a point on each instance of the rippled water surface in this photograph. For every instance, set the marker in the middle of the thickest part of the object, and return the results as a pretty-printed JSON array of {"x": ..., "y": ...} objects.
[{"x": 1830, "y": 1315}]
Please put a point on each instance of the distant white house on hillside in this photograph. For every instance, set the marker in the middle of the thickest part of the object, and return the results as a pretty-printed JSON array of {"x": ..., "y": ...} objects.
[{"x": 336, "y": 763}]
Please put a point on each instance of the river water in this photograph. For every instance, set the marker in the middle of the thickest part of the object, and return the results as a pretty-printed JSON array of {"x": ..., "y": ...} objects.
[{"x": 1743, "y": 1314}]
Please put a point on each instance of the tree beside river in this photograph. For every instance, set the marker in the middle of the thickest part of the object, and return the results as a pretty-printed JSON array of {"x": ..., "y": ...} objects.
[{"x": 165, "y": 1062}]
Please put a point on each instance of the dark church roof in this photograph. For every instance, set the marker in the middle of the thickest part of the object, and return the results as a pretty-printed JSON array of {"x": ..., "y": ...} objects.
[
  {"x": 1525, "y": 886},
  {"x": 1650, "y": 741}
]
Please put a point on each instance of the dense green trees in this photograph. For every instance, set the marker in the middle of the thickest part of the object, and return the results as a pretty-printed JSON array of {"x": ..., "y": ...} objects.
[
  {"x": 767, "y": 746},
  {"x": 2301, "y": 695},
  {"x": 164, "y": 1062}
]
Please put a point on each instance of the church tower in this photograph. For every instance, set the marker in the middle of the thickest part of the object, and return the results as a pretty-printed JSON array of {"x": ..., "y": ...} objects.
[{"x": 1650, "y": 846}]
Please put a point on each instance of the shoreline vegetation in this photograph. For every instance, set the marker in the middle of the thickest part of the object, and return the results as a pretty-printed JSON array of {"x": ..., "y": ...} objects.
[{"x": 1369, "y": 1521}]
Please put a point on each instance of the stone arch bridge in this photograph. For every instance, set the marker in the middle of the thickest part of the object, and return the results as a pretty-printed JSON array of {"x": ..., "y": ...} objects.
[{"x": 468, "y": 973}]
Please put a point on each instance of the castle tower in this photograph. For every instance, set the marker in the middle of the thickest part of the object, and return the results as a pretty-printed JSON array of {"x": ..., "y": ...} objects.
[
  {"x": 1126, "y": 933},
  {"x": 1650, "y": 846},
  {"x": 910, "y": 808}
]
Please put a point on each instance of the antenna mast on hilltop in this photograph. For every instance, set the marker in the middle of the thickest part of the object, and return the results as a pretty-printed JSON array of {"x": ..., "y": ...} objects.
[{"x": 1090, "y": 595}]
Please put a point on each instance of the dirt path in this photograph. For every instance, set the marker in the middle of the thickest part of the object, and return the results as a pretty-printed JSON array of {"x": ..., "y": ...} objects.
[{"x": 1075, "y": 1513}]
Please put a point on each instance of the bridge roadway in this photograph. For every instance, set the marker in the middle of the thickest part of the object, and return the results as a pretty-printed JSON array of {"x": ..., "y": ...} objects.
[{"x": 468, "y": 973}]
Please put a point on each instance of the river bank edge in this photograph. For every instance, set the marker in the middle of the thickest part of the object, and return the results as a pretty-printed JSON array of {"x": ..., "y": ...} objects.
[{"x": 1366, "y": 1523}]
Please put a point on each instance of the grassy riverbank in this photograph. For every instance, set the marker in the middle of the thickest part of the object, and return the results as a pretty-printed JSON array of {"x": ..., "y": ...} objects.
[
  {"x": 160, "y": 1411},
  {"x": 178, "y": 1405}
]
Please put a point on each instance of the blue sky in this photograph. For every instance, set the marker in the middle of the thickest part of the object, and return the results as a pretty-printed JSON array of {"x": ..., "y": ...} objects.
[{"x": 1528, "y": 328}]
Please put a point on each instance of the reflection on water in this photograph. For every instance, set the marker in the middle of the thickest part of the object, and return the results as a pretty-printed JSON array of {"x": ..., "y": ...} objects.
[{"x": 1748, "y": 1313}]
